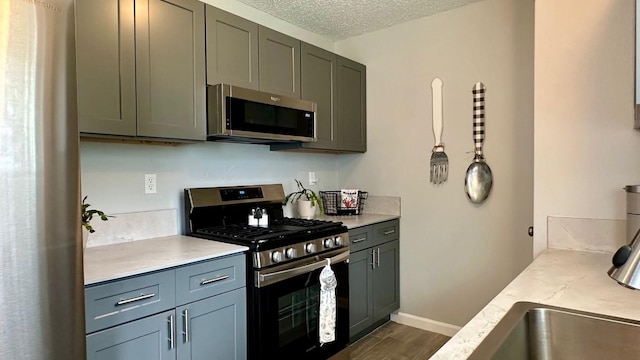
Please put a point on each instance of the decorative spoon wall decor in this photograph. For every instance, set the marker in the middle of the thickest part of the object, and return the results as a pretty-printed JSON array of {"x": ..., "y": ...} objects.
[{"x": 479, "y": 179}]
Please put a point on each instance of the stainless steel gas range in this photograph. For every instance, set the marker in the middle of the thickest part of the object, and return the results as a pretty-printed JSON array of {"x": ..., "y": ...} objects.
[{"x": 283, "y": 265}]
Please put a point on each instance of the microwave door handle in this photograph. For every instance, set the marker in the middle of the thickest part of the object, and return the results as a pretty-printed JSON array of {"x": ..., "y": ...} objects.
[{"x": 289, "y": 273}]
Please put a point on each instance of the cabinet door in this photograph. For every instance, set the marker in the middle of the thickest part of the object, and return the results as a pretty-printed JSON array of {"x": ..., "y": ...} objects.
[
  {"x": 105, "y": 56},
  {"x": 214, "y": 328},
  {"x": 170, "y": 69},
  {"x": 232, "y": 49},
  {"x": 279, "y": 61},
  {"x": 360, "y": 287},
  {"x": 352, "y": 106},
  {"x": 319, "y": 71},
  {"x": 386, "y": 287},
  {"x": 148, "y": 338}
]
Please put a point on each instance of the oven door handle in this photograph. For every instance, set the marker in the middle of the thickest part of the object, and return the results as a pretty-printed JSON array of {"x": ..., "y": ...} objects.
[{"x": 266, "y": 279}]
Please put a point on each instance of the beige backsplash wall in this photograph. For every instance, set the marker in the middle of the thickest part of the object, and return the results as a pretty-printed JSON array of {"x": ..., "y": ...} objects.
[
  {"x": 602, "y": 235},
  {"x": 585, "y": 146}
]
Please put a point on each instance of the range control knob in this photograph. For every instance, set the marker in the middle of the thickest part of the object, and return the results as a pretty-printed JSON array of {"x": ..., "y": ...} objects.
[
  {"x": 328, "y": 243},
  {"x": 339, "y": 241},
  {"x": 310, "y": 248},
  {"x": 291, "y": 253},
  {"x": 276, "y": 256}
]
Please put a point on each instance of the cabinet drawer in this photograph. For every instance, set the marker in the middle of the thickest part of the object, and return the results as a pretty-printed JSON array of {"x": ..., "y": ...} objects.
[
  {"x": 125, "y": 300},
  {"x": 386, "y": 231},
  {"x": 360, "y": 238},
  {"x": 209, "y": 278}
]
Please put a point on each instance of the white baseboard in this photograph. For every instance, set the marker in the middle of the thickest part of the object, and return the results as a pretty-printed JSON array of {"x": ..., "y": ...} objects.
[{"x": 425, "y": 324}]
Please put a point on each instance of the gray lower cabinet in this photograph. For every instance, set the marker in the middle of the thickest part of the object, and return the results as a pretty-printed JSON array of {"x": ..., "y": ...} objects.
[
  {"x": 374, "y": 278},
  {"x": 196, "y": 311},
  {"x": 232, "y": 49},
  {"x": 214, "y": 328},
  {"x": 148, "y": 338},
  {"x": 279, "y": 63},
  {"x": 141, "y": 68},
  {"x": 352, "y": 106}
]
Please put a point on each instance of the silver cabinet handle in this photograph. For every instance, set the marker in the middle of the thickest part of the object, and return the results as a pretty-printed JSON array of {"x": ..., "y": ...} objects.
[
  {"x": 388, "y": 232},
  {"x": 171, "y": 333},
  {"x": 378, "y": 258},
  {"x": 358, "y": 240},
  {"x": 373, "y": 259},
  {"x": 185, "y": 319},
  {"x": 128, "y": 301},
  {"x": 209, "y": 281}
]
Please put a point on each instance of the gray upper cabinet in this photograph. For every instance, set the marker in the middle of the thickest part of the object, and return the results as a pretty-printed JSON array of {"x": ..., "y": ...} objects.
[
  {"x": 279, "y": 63},
  {"x": 232, "y": 49},
  {"x": 106, "y": 66},
  {"x": 150, "y": 81},
  {"x": 338, "y": 86},
  {"x": 352, "y": 106},
  {"x": 319, "y": 71},
  {"x": 170, "y": 69}
]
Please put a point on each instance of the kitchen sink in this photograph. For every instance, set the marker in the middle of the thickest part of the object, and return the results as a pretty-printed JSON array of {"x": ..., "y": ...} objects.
[{"x": 542, "y": 332}]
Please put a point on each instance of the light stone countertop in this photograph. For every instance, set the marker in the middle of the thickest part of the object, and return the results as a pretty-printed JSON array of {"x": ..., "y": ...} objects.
[
  {"x": 110, "y": 262},
  {"x": 354, "y": 221},
  {"x": 565, "y": 278}
]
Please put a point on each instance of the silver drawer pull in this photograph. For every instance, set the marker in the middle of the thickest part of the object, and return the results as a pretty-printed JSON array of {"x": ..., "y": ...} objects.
[
  {"x": 219, "y": 278},
  {"x": 171, "y": 333},
  {"x": 358, "y": 240},
  {"x": 141, "y": 297},
  {"x": 185, "y": 318},
  {"x": 388, "y": 232}
]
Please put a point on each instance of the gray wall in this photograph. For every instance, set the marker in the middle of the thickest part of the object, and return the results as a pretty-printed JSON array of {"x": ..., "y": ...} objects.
[{"x": 454, "y": 256}]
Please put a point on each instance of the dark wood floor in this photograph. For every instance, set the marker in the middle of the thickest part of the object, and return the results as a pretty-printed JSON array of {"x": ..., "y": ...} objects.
[{"x": 393, "y": 341}]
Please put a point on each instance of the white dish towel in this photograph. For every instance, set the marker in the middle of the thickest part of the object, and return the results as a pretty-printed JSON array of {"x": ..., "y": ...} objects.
[{"x": 328, "y": 284}]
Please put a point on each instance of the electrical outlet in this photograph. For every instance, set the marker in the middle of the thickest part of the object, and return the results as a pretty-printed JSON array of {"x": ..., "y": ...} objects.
[
  {"x": 312, "y": 178},
  {"x": 150, "y": 183}
]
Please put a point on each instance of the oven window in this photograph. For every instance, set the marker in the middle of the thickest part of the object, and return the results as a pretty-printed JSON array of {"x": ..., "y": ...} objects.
[
  {"x": 286, "y": 319},
  {"x": 298, "y": 314}
]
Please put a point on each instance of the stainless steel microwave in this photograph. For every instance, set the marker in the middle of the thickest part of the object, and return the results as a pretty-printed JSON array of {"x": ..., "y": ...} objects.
[{"x": 245, "y": 115}]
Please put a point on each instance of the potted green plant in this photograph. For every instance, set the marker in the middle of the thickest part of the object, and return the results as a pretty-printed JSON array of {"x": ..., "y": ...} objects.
[
  {"x": 86, "y": 216},
  {"x": 306, "y": 200}
]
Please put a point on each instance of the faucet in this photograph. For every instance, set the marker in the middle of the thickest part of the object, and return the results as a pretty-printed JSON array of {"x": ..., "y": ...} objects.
[{"x": 626, "y": 264}]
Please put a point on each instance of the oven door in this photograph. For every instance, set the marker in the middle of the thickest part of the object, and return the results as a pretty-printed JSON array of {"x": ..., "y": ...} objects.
[{"x": 288, "y": 303}]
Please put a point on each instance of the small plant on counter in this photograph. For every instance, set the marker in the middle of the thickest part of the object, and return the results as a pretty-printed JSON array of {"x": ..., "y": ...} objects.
[
  {"x": 88, "y": 214},
  {"x": 304, "y": 194}
]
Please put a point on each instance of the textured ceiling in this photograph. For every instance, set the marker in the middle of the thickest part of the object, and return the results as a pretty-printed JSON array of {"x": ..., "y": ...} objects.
[{"x": 341, "y": 19}]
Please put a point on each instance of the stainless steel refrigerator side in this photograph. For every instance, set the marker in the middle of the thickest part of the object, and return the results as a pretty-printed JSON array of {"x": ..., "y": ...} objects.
[{"x": 41, "y": 270}]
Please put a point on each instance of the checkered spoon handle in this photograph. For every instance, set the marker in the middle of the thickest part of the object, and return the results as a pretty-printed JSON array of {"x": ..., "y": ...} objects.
[{"x": 478, "y": 118}]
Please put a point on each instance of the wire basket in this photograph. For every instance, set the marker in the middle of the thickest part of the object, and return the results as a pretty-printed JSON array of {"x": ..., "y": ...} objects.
[{"x": 332, "y": 203}]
